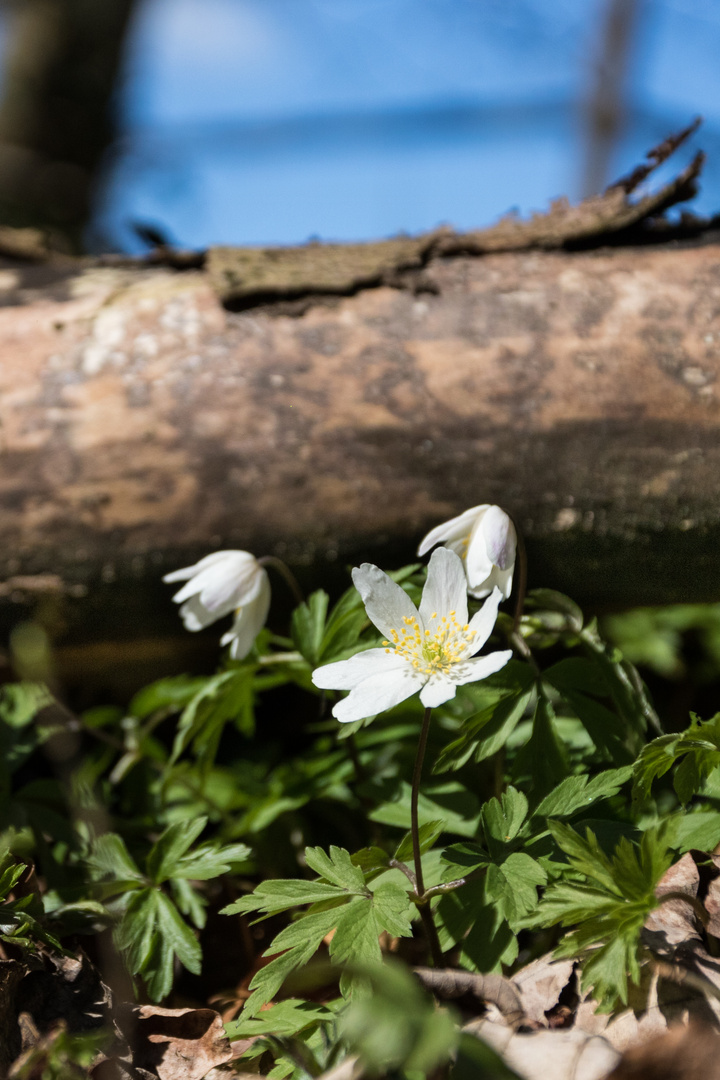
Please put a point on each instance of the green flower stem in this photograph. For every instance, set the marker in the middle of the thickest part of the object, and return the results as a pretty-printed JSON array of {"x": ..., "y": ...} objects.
[
  {"x": 422, "y": 903},
  {"x": 280, "y": 658},
  {"x": 285, "y": 572}
]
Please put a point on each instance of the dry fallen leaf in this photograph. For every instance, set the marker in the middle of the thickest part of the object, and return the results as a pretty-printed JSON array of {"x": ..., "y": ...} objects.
[
  {"x": 567, "y": 1054},
  {"x": 683, "y": 1053},
  {"x": 674, "y": 921},
  {"x": 540, "y": 984},
  {"x": 176, "y": 1044}
]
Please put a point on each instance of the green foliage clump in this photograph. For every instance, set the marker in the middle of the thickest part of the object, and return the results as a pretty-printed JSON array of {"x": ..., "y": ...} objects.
[{"x": 551, "y": 806}]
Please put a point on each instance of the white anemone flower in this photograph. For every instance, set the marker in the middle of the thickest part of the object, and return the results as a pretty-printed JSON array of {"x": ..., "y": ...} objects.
[
  {"x": 430, "y": 650},
  {"x": 485, "y": 539},
  {"x": 220, "y": 583}
]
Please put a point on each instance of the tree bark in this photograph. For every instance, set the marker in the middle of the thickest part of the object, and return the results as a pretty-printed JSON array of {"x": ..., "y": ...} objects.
[{"x": 144, "y": 425}]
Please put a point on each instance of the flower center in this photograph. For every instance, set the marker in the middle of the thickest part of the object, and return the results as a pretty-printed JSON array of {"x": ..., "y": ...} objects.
[{"x": 431, "y": 653}]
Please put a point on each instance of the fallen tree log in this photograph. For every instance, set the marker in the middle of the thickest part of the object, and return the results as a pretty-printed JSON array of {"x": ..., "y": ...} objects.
[{"x": 144, "y": 423}]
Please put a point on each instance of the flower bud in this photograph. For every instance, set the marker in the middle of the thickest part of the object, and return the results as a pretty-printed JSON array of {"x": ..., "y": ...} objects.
[{"x": 485, "y": 539}]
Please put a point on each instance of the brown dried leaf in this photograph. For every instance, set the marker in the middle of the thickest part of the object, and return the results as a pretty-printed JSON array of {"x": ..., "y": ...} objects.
[
  {"x": 683, "y": 1053},
  {"x": 537, "y": 1055},
  {"x": 674, "y": 921},
  {"x": 540, "y": 984},
  {"x": 712, "y": 901},
  {"x": 177, "y": 1044}
]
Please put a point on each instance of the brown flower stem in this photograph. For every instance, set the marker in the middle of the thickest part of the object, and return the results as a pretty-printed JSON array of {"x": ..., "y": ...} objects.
[
  {"x": 422, "y": 903},
  {"x": 285, "y": 572}
]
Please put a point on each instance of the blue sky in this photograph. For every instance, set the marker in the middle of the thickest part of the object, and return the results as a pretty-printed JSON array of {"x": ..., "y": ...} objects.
[{"x": 273, "y": 121}]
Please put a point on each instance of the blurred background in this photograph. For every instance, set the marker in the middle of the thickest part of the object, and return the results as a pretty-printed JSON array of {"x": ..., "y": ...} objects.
[{"x": 274, "y": 121}]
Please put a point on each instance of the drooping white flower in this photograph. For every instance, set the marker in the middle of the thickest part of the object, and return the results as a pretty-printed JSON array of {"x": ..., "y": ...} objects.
[
  {"x": 430, "y": 650},
  {"x": 485, "y": 539},
  {"x": 220, "y": 583}
]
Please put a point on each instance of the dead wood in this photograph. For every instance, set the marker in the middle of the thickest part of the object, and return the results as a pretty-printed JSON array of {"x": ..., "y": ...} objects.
[
  {"x": 144, "y": 424},
  {"x": 244, "y": 277}
]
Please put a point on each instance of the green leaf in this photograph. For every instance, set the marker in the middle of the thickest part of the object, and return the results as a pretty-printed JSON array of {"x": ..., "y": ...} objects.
[
  {"x": 178, "y": 935},
  {"x": 449, "y": 802},
  {"x": 337, "y": 868},
  {"x": 396, "y": 1029},
  {"x": 158, "y": 970},
  {"x": 371, "y": 860},
  {"x": 210, "y": 861},
  {"x": 543, "y": 757},
  {"x": 585, "y": 855},
  {"x": 224, "y": 697},
  {"x": 578, "y": 673},
  {"x": 19, "y": 737},
  {"x": 609, "y": 900},
  {"x": 550, "y": 600},
  {"x": 580, "y": 792},
  {"x": 512, "y": 886},
  {"x": 697, "y": 749},
  {"x": 606, "y": 729},
  {"x": 308, "y": 626},
  {"x": 470, "y": 920},
  {"x": 288, "y": 1017},
  {"x": 343, "y": 627},
  {"x": 427, "y": 835},
  {"x": 171, "y": 694},
  {"x": 10, "y": 876},
  {"x": 341, "y": 902},
  {"x": 136, "y": 930},
  {"x": 111, "y": 857},
  {"x": 296, "y": 944},
  {"x": 151, "y": 933},
  {"x": 21, "y": 702},
  {"x": 393, "y": 908},
  {"x": 699, "y": 831},
  {"x": 492, "y": 708},
  {"x": 278, "y": 895},
  {"x": 356, "y": 936},
  {"x": 165, "y": 855},
  {"x": 188, "y": 901},
  {"x": 502, "y": 820}
]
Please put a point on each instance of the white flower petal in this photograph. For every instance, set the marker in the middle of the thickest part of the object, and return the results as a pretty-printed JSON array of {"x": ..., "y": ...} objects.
[
  {"x": 445, "y": 589},
  {"x": 385, "y": 602},
  {"x": 437, "y": 690},
  {"x": 456, "y": 529},
  {"x": 195, "y": 616},
  {"x": 497, "y": 579},
  {"x": 249, "y": 621},
  {"x": 347, "y": 674},
  {"x": 378, "y": 693},
  {"x": 483, "y": 622},
  {"x": 191, "y": 571},
  {"x": 500, "y": 537},
  {"x": 479, "y": 667},
  {"x": 478, "y": 564},
  {"x": 229, "y": 584}
]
